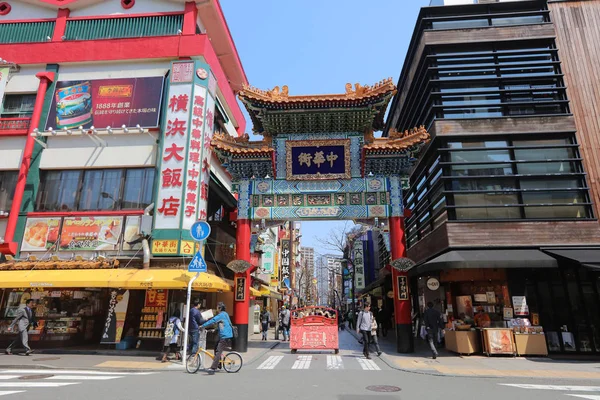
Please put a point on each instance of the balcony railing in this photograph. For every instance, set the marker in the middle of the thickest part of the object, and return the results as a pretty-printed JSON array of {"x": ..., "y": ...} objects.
[{"x": 14, "y": 126}]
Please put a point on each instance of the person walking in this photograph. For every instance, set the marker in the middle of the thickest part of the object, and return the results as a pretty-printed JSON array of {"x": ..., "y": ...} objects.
[
  {"x": 382, "y": 322},
  {"x": 432, "y": 320},
  {"x": 194, "y": 326},
  {"x": 265, "y": 319},
  {"x": 284, "y": 321},
  {"x": 24, "y": 318},
  {"x": 172, "y": 336},
  {"x": 375, "y": 339},
  {"x": 225, "y": 334},
  {"x": 363, "y": 327},
  {"x": 350, "y": 318}
]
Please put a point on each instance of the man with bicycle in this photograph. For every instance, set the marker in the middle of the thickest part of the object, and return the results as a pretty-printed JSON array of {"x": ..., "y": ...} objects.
[{"x": 225, "y": 334}]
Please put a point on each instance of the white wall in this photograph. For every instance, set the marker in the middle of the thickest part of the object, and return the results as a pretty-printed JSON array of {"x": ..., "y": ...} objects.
[
  {"x": 20, "y": 10},
  {"x": 3, "y": 222},
  {"x": 111, "y": 7},
  {"x": 24, "y": 81},
  {"x": 11, "y": 151},
  {"x": 76, "y": 152},
  {"x": 81, "y": 71}
]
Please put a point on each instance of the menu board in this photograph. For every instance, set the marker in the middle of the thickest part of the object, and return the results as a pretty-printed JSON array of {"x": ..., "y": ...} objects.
[
  {"x": 40, "y": 234},
  {"x": 90, "y": 233}
]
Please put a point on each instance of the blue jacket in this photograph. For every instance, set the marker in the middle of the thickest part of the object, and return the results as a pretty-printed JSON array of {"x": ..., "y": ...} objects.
[
  {"x": 195, "y": 319},
  {"x": 227, "y": 331}
]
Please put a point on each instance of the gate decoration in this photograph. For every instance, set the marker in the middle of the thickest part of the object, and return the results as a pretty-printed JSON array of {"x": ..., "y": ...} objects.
[
  {"x": 314, "y": 328},
  {"x": 319, "y": 159}
]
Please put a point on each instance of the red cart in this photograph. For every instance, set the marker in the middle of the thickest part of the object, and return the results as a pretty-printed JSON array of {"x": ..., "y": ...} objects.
[{"x": 314, "y": 328}]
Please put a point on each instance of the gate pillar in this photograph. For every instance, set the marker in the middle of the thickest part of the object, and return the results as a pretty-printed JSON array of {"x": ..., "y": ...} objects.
[
  {"x": 241, "y": 304},
  {"x": 402, "y": 304}
]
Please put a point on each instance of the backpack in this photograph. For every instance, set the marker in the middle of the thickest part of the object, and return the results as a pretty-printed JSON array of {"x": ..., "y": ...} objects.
[{"x": 170, "y": 328}]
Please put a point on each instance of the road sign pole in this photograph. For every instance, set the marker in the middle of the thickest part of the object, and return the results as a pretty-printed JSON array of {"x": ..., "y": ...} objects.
[{"x": 187, "y": 318}]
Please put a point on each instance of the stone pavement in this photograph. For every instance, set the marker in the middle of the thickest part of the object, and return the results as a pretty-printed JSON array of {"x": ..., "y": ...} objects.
[
  {"x": 120, "y": 361},
  {"x": 451, "y": 364}
]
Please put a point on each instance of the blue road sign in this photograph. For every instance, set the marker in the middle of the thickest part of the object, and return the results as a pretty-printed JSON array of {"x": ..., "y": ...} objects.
[
  {"x": 200, "y": 230},
  {"x": 197, "y": 264}
]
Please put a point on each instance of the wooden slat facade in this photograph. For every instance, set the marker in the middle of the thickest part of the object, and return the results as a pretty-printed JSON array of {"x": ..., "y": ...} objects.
[{"x": 577, "y": 25}]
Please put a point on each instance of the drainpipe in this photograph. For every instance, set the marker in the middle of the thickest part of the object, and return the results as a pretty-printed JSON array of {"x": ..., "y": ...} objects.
[{"x": 145, "y": 245}]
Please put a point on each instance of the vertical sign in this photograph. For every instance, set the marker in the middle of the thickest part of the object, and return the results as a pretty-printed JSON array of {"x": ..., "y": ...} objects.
[
  {"x": 267, "y": 258},
  {"x": 359, "y": 264},
  {"x": 402, "y": 288},
  {"x": 207, "y": 134},
  {"x": 285, "y": 260},
  {"x": 3, "y": 80},
  {"x": 115, "y": 318},
  {"x": 174, "y": 155},
  {"x": 240, "y": 292}
]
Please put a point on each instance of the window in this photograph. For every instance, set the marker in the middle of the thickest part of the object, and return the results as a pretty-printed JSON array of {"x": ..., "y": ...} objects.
[
  {"x": 91, "y": 190},
  {"x": 8, "y": 182},
  {"x": 17, "y": 105}
]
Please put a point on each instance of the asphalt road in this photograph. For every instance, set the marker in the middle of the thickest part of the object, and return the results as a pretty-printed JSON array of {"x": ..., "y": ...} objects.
[{"x": 280, "y": 375}]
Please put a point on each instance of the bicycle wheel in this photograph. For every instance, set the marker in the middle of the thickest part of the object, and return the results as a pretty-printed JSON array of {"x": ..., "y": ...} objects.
[
  {"x": 232, "y": 362},
  {"x": 194, "y": 362}
]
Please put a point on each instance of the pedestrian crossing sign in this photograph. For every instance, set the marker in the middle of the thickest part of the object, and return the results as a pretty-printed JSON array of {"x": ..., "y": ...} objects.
[{"x": 197, "y": 264}]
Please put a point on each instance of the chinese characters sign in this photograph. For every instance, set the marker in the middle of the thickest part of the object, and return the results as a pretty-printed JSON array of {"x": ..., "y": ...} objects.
[
  {"x": 402, "y": 287},
  {"x": 359, "y": 264},
  {"x": 207, "y": 125},
  {"x": 156, "y": 298},
  {"x": 240, "y": 289},
  {"x": 267, "y": 258},
  {"x": 106, "y": 102},
  {"x": 285, "y": 259},
  {"x": 318, "y": 159}
]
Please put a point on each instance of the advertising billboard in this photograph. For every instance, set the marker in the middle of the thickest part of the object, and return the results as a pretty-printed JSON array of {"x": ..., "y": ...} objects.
[{"x": 106, "y": 102}]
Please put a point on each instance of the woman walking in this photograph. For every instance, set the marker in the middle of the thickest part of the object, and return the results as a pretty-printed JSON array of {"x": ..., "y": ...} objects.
[{"x": 172, "y": 335}]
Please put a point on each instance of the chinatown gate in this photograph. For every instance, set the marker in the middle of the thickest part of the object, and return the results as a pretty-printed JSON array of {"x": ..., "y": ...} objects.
[{"x": 319, "y": 160}]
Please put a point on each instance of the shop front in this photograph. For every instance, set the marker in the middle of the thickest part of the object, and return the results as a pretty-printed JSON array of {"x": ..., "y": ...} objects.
[
  {"x": 101, "y": 307},
  {"x": 481, "y": 296}
]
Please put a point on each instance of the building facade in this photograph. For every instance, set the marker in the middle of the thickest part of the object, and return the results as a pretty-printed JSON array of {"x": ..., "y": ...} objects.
[
  {"x": 108, "y": 111},
  {"x": 504, "y": 199}
]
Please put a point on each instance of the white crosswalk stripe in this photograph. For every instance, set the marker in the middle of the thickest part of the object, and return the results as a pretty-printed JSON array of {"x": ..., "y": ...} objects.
[
  {"x": 270, "y": 363},
  {"x": 303, "y": 362},
  {"x": 46, "y": 378},
  {"x": 562, "y": 388},
  {"x": 335, "y": 362},
  {"x": 368, "y": 365}
]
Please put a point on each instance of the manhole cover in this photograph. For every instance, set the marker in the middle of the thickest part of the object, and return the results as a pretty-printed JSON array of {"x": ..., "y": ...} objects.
[
  {"x": 34, "y": 377},
  {"x": 46, "y": 359},
  {"x": 383, "y": 388}
]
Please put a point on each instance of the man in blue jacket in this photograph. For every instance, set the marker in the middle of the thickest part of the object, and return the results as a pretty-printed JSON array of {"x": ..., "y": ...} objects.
[
  {"x": 225, "y": 334},
  {"x": 195, "y": 321}
]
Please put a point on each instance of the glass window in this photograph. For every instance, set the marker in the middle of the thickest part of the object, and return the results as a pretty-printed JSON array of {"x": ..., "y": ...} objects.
[
  {"x": 487, "y": 143},
  {"x": 547, "y": 168},
  {"x": 481, "y": 199},
  {"x": 18, "y": 105},
  {"x": 551, "y": 183},
  {"x": 469, "y": 23},
  {"x": 480, "y": 156},
  {"x": 553, "y": 197},
  {"x": 545, "y": 153},
  {"x": 8, "y": 182},
  {"x": 521, "y": 20},
  {"x": 62, "y": 190},
  {"x": 488, "y": 213},
  {"x": 90, "y": 190},
  {"x": 483, "y": 184},
  {"x": 481, "y": 169},
  {"x": 542, "y": 142},
  {"x": 111, "y": 190},
  {"x": 550, "y": 212},
  {"x": 139, "y": 184}
]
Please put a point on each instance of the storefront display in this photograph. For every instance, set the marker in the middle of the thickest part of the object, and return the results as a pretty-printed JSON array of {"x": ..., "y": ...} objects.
[
  {"x": 498, "y": 341},
  {"x": 462, "y": 342}
]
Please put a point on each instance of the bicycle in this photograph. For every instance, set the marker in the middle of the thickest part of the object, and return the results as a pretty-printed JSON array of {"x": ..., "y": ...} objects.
[{"x": 231, "y": 362}]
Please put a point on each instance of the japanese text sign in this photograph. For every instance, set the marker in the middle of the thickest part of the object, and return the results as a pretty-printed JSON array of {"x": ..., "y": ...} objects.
[
  {"x": 90, "y": 233},
  {"x": 318, "y": 159},
  {"x": 359, "y": 264},
  {"x": 267, "y": 259},
  {"x": 240, "y": 289},
  {"x": 156, "y": 298},
  {"x": 106, "y": 102},
  {"x": 402, "y": 287}
]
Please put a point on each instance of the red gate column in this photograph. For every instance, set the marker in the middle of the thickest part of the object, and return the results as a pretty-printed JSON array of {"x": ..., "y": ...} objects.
[
  {"x": 402, "y": 304},
  {"x": 241, "y": 307}
]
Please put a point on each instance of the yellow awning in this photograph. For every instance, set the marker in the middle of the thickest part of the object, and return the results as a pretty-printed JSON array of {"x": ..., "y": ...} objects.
[
  {"x": 266, "y": 291},
  {"x": 254, "y": 292},
  {"x": 113, "y": 278}
]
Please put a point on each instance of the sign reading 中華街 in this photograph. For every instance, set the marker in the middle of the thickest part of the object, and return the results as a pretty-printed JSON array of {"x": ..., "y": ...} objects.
[
  {"x": 106, "y": 102},
  {"x": 240, "y": 288},
  {"x": 285, "y": 259},
  {"x": 115, "y": 318},
  {"x": 268, "y": 257},
  {"x": 359, "y": 264},
  {"x": 402, "y": 287},
  {"x": 318, "y": 159}
]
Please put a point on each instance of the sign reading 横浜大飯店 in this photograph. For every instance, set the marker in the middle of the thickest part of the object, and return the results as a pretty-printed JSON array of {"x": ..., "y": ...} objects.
[
  {"x": 106, "y": 102},
  {"x": 318, "y": 159}
]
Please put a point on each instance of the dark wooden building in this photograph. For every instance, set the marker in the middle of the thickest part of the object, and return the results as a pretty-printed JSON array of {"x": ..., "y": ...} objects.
[{"x": 506, "y": 198}]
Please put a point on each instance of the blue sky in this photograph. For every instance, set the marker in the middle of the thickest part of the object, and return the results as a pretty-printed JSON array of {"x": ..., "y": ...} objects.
[{"x": 318, "y": 46}]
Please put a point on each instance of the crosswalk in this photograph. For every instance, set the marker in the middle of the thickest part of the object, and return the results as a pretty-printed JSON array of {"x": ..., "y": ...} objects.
[
  {"x": 328, "y": 362},
  {"x": 582, "y": 392},
  {"x": 14, "y": 381}
]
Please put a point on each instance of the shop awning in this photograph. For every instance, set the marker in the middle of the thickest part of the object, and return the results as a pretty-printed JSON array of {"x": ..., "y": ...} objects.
[
  {"x": 266, "y": 291},
  {"x": 374, "y": 285},
  {"x": 112, "y": 278},
  {"x": 254, "y": 292},
  {"x": 512, "y": 258},
  {"x": 588, "y": 257}
]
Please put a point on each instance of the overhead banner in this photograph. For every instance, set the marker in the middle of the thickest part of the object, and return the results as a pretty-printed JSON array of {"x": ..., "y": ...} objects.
[
  {"x": 106, "y": 102},
  {"x": 3, "y": 81},
  {"x": 115, "y": 319}
]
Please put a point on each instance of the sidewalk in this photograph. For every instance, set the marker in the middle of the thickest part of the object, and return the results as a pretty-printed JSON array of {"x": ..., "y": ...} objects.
[
  {"x": 451, "y": 364},
  {"x": 119, "y": 360}
]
